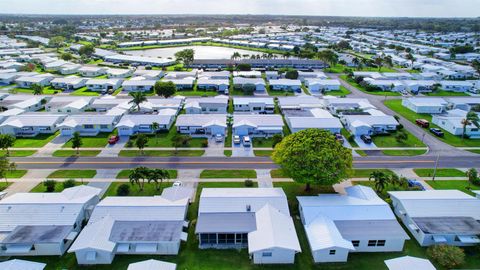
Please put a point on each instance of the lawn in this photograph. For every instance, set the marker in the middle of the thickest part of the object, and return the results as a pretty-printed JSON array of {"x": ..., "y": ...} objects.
[
  {"x": 441, "y": 93},
  {"x": 262, "y": 142},
  {"x": 149, "y": 189},
  {"x": 475, "y": 151},
  {"x": 461, "y": 185},
  {"x": 263, "y": 153},
  {"x": 35, "y": 142},
  {"x": 123, "y": 174},
  {"x": 161, "y": 153},
  {"x": 58, "y": 187},
  {"x": 396, "y": 105},
  {"x": 342, "y": 92},
  {"x": 228, "y": 174},
  {"x": 16, "y": 174},
  {"x": 361, "y": 88},
  {"x": 403, "y": 152},
  {"x": 389, "y": 140},
  {"x": 365, "y": 173},
  {"x": 4, "y": 185},
  {"x": 18, "y": 153},
  {"x": 352, "y": 141},
  {"x": 384, "y": 193},
  {"x": 227, "y": 153},
  {"x": 84, "y": 91},
  {"x": 101, "y": 140},
  {"x": 192, "y": 93},
  {"x": 278, "y": 173},
  {"x": 46, "y": 90},
  {"x": 427, "y": 172},
  {"x": 339, "y": 68},
  {"x": 165, "y": 140},
  {"x": 228, "y": 137},
  {"x": 73, "y": 153},
  {"x": 73, "y": 174}
]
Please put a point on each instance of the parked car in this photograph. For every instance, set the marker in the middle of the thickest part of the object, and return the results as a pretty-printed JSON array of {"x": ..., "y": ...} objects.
[
  {"x": 339, "y": 138},
  {"x": 219, "y": 138},
  {"x": 236, "y": 139},
  {"x": 437, "y": 132},
  {"x": 177, "y": 184},
  {"x": 366, "y": 139},
  {"x": 414, "y": 183},
  {"x": 422, "y": 123},
  {"x": 113, "y": 139},
  {"x": 247, "y": 142}
]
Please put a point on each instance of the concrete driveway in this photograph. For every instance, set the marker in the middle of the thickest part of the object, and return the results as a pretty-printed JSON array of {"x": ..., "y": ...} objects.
[
  {"x": 238, "y": 150},
  {"x": 361, "y": 144},
  {"x": 112, "y": 150},
  {"x": 214, "y": 149}
]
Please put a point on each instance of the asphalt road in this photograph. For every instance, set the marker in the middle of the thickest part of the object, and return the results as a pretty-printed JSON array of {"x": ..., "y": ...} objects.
[{"x": 232, "y": 163}]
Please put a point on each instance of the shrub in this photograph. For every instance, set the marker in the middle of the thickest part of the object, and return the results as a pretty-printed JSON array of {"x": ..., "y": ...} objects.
[
  {"x": 205, "y": 143},
  {"x": 277, "y": 138},
  {"x": 123, "y": 190},
  {"x": 446, "y": 256},
  {"x": 400, "y": 127},
  {"x": 248, "y": 183},
  {"x": 129, "y": 144},
  {"x": 69, "y": 183},
  {"x": 50, "y": 185}
]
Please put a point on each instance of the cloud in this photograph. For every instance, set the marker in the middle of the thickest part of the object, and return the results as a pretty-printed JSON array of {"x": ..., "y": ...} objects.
[{"x": 384, "y": 8}]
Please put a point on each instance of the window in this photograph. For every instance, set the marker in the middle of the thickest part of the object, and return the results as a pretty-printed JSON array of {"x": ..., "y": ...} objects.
[
  {"x": 332, "y": 252},
  {"x": 208, "y": 238},
  {"x": 267, "y": 254},
  {"x": 103, "y": 126},
  {"x": 241, "y": 238},
  {"x": 356, "y": 243},
  {"x": 376, "y": 243},
  {"x": 88, "y": 126},
  {"x": 380, "y": 243},
  {"x": 372, "y": 243}
]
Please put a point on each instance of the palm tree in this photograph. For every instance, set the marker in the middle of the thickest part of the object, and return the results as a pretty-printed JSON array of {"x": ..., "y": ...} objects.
[
  {"x": 138, "y": 98},
  {"x": 411, "y": 58},
  {"x": 235, "y": 56},
  {"x": 470, "y": 118},
  {"x": 37, "y": 89},
  {"x": 381, "y": 180},
  {"x": 138, "y": 175},
  {"x": 379, "y": 63},
  {"x": 356, "y": 62},
  {"x": 155, "y": 127},
  {"x": 157, "y": 176},
  {"x": 287, "y": 55}
]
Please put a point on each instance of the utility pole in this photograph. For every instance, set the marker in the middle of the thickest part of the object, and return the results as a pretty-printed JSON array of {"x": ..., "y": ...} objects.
[{"x": 436, "y": 166}]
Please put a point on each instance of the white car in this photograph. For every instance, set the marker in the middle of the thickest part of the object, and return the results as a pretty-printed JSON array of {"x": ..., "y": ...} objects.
[
  {"x": 219, "y": 138},
  {"x": 177, "y": 184},
  {"x": 247, "y": 142},
  {"x": 236, "y": 139}
]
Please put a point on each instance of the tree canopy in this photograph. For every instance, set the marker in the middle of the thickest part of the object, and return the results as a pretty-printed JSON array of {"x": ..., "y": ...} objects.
[
  {"x": 165, "y": 89},
  {"x": 313, "y": 156},
  {"x": 185, "y": 56}
]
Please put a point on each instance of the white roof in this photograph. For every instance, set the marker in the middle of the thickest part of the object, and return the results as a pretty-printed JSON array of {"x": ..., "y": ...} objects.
[
  {"x": 311, "y": 82},
  {"x": 254, "y": 100},
  {"x": 371, "y": 120},
  {"x": 274, "y": 230},
  {"x": 408, "y": 262},
  {"x": 286, "y": 82},
  {"x": 103, "y": 81},
  {"x": 322, "y": 234},
  {"x": 17, "y": 264},
  {"x": 438, "y": 203},
  {"x": 203, "y": 120},
  {"x": 417, "y": 101},
  {"x": 258, "y": 120},
  {"x": 87, "y": 119},
  {"x": 132, "y": 120},
  {"x": 152, "y": 265},
  {"x": 314, "y": 122},
  {"x": 23, "y": 120}
]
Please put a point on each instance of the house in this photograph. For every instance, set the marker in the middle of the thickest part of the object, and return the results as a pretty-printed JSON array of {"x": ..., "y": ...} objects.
[
  {"x": 219, "y": 85},
  {"x": 16, "y": 264},
  {"x": 248, "y": 74},
  {"x": 272, "y": 75},
  {"x": 8, "y": 78},
  {"x": 240, "y": 82},
  {"x": 138, "y": 85},
  {"x": 69, "y": 69},
  {"x": 108, "y": 102},
  {"x": 207, "y": 105},
  {"x": 340, "y": 105},
  {"x": 41, "y": 224},
  {"x": 179, "y": 75},
  {"x": 436, "y": 217},
  {"x": 257, "y": 125},
  {"x": 463, "y": 103},
  {"x": 456, "y": 86},
  {"x": 103, "y": 84},
  {"x": 137, "y": 60},
  {"x": 119, "y": 72},
  {"x": 318, "y": 75},
  {"x": 408, "y": 262},
  {"x": 396, "y": 76},
  {"x": 300, "y": 103},
  {"x": 202, "y": 125},
  {"x": 322, "y": 85},
  {"x": 92, "y": 71},
  {"x": 68, "y": 83},
  {"x": 253, "y": 105},
  {"x": 420, "y": 86},
  {"x": 182, "y": 84},
  {"x": 131, "y": 226},
  {"x": 149, "y": 74},
  {"x": 386, "y": 85},
  {"x": 68, "y": 104},
  {"x": 312, "y": 118},
  {"x": 215, "y": 75},
  {"x": 22, "y": 102},
  {"x": 367, "y": 74},
  {"x": 369, "y": 124},
  {"x": 152, "y": 265},
  {"x": 28, "y": 81},
  {"x": 453, "y": 122},
  {"x": 253, "y": 218},
  {"x": 131, "y": 124},
  {"x": 358, "y": 221},
  {"x": 5, "y": 114},
  {"x": 425, "y": 105},
  {"x": 31, "y": 125},
  {"x": 286, "y": 85},
  {"x": 87, "y": 124}
]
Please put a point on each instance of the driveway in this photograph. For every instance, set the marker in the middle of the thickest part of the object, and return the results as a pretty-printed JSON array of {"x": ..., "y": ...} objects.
[
  {"x": 214, "y": 149},
  {"x": 238, "y": 150},
  {"x": 361, "y": 144},
  {"x": 112, "y": 150},
  {"x": 52, "y": 146}
]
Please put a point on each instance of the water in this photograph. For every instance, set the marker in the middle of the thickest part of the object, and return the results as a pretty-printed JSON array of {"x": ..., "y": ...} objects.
[{"x": 201, "y": 52}]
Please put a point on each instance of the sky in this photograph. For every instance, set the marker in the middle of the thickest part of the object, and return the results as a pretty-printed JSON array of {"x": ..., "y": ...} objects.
[{"x": 369, "y": 8}]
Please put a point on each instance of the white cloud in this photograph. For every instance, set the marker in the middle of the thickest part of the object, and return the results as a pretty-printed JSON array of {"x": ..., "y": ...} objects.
[{"x": 403, "y": 8}]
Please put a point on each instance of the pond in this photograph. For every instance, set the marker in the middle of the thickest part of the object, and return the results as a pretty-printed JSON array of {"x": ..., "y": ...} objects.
[{"x": 201, "y": 52}]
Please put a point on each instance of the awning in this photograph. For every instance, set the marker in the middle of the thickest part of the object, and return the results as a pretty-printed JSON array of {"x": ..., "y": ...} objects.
[
  {"x": 439, "y": 239},
  {"x": 12, "y": 249},
  {"x": 123, "y": 247},
  {"x": 146, "y": 248},
  {"x": 469, "y": 239}
]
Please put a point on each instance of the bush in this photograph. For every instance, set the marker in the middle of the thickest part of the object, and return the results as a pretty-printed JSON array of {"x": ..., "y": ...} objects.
[
  {"x": 205, "y": 143},
  {"x": 400, "y": 127},
  {"x": 50, "y": 185},
  {"x": 123, "y": 190},
  {"x": 446, "y": 256},
  {"x": 277, "y": 138},
  {"x": 248, "y": 183},
  {"x": 69, "y": 183},
  {"x": 129, "y": 144}
]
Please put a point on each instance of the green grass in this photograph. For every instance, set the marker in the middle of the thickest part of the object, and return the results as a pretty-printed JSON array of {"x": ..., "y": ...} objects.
[
  {"x": 100, "y": 140},
  {"x": 342, "y": 92},
  {"x": 427, "y": 172},
  {"x": 18, "y": 153},
  {"x": 390, "y": 141},
  {"x": 365, "y": 173},
  {"x": 73, "y": 174},
  {"x": 403, "y": 152},
  {"x": 40, "y": 188},
  {"x": 123, "y": 174},
  {"x": 263, "y": 153},
  {"x": 16, "y": 174},
  {"x": 475, "y": 151},
  {"x": 73, "y": 153},
  {"x": 84, "y": 91},
  {"x": 4, "y": 185},
  {"x": 461, "y": 185},
  {"x": 228, "y": 174},
  {"x": 149, "y": 189},
  {"x": 361, "y": 88},
  {"x": 228, "y": 137},
  {"x": 35, "y": 142},
  {"x": 262, "y": 142},
  {"x": 46, "y": 90},
  {"x": 352, "y": 142},
  {"x": 339, "y": 68},
  {"x": 161, "y": 153},
  {"x": 165, "y": 140},
  {"x": 384, "y": 193},
  {"x": 198, "y": 93},
  {"x": 396, "y": 105},
  {"x": 278, "y": 173},
  {"x": 441, "y": 93},
  {"x": 227, "y": 153}
]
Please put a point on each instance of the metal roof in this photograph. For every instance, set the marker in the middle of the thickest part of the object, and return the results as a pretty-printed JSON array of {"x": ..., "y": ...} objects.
[
  {"x": 146, "y": 231},
  {"x": 37, "y": 234},
  {"x": 225, "y": 222},
  {"x": 448, "y": 225}
]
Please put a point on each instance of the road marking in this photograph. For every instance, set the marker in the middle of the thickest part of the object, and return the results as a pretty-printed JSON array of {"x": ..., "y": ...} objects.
[{"x": 210, "y": 162}]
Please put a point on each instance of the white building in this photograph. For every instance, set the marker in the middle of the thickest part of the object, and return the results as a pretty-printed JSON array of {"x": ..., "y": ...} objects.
[
  {"x": 207, "y": 105},
  {"x": 322, "y": 85},
  {"x": 286, "y": 85},
  {"x": 253, "y": 105},
  {"x": 202, "y": 125},
  {"x": 138, "y": 85},
  {"x": 92, "y": 71},
  {"x": 425, "y": 105},
  {"x": 68, "y": 104},
  {"x": 219, "y": 85},
  {"x": 369, "y": 124},
  {"x": 456, "y": 86},
  {"x": 257, "y": 125},
  {"x": 31, "y": 125},
  {"x": 131, "y": 124},
  {"x": 104, "y": 84},
  {"x": 240, "y": 82},
  {"x": 87, "y": 124}
]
